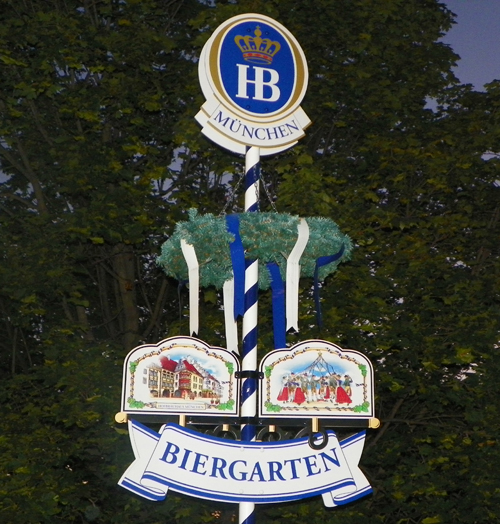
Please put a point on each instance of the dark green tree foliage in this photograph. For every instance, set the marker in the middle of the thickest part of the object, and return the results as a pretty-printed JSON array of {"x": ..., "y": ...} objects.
[
  {"x": 100, "y": 157},
  {"x": 90, "y": 96}
]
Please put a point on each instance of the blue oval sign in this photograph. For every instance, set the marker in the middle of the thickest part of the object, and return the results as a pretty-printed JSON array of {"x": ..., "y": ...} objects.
[
  {"x": 253, "y": 74},
  {"x": 257, "y": 67}
]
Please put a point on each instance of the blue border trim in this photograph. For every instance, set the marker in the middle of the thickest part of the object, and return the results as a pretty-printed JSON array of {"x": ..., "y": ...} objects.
[
  {"x": 140, "y": 490},
  {"x": 144, "y": 429},
  {"x": 187, "y": 489}
]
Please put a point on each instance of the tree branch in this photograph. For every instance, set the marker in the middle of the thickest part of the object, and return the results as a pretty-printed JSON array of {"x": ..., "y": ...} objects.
[
  {"x": 27, "y": 203},
  {"x": 385, "y": 427},
  {"x": 27, "y": 171},
  {"x": 157, "y": 310}
]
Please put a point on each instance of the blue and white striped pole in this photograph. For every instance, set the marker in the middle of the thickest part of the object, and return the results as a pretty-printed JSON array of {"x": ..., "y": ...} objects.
[{"x": 250, "y": 318}]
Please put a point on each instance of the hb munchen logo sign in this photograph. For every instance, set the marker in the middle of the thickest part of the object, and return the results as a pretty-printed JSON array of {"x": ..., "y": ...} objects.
[{"x": 253, "y": 74}]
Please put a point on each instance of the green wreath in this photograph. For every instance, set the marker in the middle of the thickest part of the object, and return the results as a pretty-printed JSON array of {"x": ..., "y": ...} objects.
[{"x": 268, "y": 237}]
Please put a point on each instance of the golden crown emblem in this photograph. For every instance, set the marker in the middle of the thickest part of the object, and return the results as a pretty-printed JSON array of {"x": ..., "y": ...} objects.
[{"x": 256, "y": 49}]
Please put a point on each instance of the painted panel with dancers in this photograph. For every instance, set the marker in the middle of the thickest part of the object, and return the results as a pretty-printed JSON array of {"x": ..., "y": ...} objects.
[{"x": 316, "y": 379}]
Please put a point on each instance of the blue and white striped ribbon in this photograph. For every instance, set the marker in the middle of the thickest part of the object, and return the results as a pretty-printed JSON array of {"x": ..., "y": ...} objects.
[
  {"x": 250, "y": 318},
  {"x": 252, "y": 179}
]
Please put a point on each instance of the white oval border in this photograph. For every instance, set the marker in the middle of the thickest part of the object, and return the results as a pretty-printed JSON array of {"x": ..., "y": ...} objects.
[{"x": 209, "y": 67}]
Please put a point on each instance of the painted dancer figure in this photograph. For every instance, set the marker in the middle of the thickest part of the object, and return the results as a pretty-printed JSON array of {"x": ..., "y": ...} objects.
[
  {"x": 342, "y": 397},
  {"x": 316, "y": 388},
  {"x": 325, "y": 391},
  {"x": 347, "y": 384},
  {"x": 332, "y": 387},
  {"x": 283, "y": 394},
  {"x": 309, "y": 387},
  {"x": 292, "y": 386},
  {"x": 299, "y": 397}
]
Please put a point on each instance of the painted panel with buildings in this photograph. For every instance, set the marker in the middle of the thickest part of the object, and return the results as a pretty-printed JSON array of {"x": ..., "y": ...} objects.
[{"x": 180, "y": 375}]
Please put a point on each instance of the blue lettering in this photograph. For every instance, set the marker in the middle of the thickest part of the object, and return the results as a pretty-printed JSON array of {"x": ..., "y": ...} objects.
[
  {"x": 272, "y": 131},
  {"x": 231, "y": 126},
  {"x": 282, "y": 131},
  {"x": 310, "y": 464},
  {"x": 219, "y": 119},
  {"x": 187, "y": 452},
  {"x": 275, "y": 469},
  {"x": 335, "y": 460},
  {"x": 218, "y": 468},
  {"x": 292, "y": 465},
  {"x": 242, "y": 474},
  {"x": 257, "y": 470},
  {"x": 171, "y": 449},
  {"x": 198, "y": 462},
  {"x": 247, "y": 131},
  {"x": 296, "y": 127},
  {"x": 257, "y": 136}
]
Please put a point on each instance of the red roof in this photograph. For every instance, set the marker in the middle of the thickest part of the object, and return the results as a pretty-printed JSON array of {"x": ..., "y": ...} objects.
[
  {"x": 191, "y": 368},
  {"x": 168, "y": 364}
]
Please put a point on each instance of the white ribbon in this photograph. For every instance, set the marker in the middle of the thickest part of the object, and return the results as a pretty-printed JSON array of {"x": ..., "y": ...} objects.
[
  {"x": 194, "y": 285},
  {"x": 352, "y": 448},
  {"x": 142, "y": 440},
  {"x": 293, "y": 276},
  {"x": 231, "y": 324}
]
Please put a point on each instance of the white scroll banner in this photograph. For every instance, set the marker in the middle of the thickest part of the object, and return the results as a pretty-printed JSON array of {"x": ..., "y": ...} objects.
[
  {"x": 142, "y": 440},
  {"x": 232, "y": 471},
  {"x": 230, "y": 322},
  {"x": 194, "y": 285},
  {"x": 353, "y": 446},
  {"x": 226, "y": 128},
  {"x": 293, "y": 276}
]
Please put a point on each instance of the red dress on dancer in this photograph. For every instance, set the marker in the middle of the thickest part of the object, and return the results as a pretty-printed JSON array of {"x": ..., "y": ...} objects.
[
  {"x": 283, "y": 396},
  {"x": 342, "y": 396},
  {"x": 299, "y": 397}
]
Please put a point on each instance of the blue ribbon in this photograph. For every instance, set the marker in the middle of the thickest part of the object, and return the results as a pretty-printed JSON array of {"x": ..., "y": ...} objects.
[
  {"x": 320, "y": 262},
  {"x": 238, "y": 261},
  {"x": 278, "y": 292}
]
